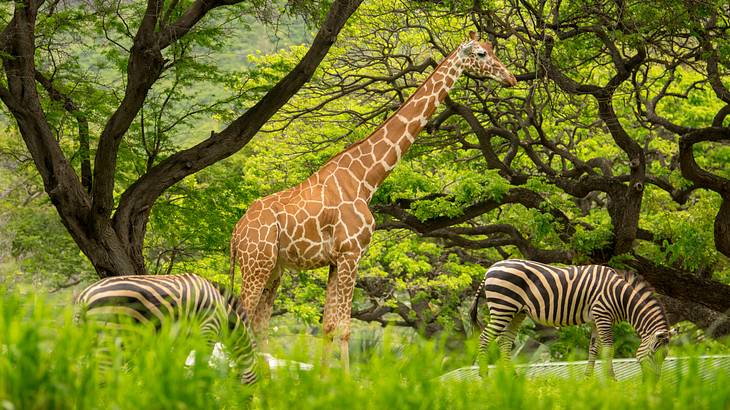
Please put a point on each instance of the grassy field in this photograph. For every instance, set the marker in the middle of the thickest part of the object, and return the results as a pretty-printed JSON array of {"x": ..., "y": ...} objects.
[{"x": 46, "y": 364}]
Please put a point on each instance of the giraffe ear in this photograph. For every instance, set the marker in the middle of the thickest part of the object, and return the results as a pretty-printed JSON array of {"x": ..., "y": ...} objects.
[
  {"x": 467, "y": 48},
  {"x": 473, "y": 35}
]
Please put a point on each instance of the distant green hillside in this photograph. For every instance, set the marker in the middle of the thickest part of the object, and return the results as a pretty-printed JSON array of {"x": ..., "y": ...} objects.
[{"x": 255, "y": 39}]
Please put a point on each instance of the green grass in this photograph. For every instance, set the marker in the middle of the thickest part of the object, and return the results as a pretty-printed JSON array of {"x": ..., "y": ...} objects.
[{"x": 47, "y": 362}]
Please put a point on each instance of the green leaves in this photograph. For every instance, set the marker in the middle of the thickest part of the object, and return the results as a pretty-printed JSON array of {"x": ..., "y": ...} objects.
[
  {"x": 597, "y": 237},
  {"x": 687, "y": 236}
]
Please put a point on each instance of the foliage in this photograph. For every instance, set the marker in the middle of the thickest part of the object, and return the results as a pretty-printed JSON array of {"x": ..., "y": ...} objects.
[
  {"x": 562, "y": 147},
  {"x": 34, "y": 244}
]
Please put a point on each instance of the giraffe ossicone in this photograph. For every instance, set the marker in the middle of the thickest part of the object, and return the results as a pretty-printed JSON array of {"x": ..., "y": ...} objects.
[{"x": 325, "y": 220}]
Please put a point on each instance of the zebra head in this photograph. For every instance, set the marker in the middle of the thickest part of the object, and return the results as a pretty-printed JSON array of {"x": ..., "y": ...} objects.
[
  {"x": 652, "y": 351},
  {"x": 646, "y": 314},
  {"x": 655, "y": 342}
]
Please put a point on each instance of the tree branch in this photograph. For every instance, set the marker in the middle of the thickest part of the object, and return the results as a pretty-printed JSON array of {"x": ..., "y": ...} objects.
[
  {"x": 683, "y": 285},
  {"x": 82, "y": 122},
  {"x": 144, "y": 67},
  {"x": 139, "y": 197},
  {"x": 192, "y": 15}
]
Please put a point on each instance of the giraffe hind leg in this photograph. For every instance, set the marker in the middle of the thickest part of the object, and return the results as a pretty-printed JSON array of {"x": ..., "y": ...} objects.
[
  {"x": 258, "y": 258},
  {"x": 265, "y": 306}
]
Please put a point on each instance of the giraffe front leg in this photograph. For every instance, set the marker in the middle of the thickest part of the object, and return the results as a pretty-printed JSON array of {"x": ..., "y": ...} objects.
[
  {"x": 339, "y": 306},
  {"x": 328, "y": 319},
  {"x": 346, "y": 276}
]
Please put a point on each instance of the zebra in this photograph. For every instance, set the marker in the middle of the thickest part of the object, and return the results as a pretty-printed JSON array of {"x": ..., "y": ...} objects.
[
  {"x": 154, "y": 299},
  {"x": 555, "y": 296}
]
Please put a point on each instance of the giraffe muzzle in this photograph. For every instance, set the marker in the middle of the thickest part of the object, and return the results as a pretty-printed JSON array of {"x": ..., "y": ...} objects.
[{"x": 509, "y": 80}]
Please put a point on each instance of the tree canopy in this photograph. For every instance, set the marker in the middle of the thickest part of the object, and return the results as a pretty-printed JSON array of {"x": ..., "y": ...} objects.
[{"x": 613, "y": 148}]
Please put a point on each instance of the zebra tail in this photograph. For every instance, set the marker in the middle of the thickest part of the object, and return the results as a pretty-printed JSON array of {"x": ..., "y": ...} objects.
[
  {"x": 475, "y": 307},
  {"x": 232, "y": 272},
  {"x": 80, "y": 309}
]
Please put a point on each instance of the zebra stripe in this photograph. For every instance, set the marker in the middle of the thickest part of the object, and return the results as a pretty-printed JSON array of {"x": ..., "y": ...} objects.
[
  {"x": 554, "y": 296},
  {"x": 154, "y": 299}
]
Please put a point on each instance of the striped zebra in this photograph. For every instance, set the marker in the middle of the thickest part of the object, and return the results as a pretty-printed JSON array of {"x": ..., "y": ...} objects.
[
  {"x": 153, "y": 299},
  {"x": 574, "y": 295}
]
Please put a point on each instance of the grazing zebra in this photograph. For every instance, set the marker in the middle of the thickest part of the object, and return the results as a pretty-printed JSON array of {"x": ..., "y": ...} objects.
[
  {"x": 152, "y": 299},
  {"x": 573, "y": 295}
]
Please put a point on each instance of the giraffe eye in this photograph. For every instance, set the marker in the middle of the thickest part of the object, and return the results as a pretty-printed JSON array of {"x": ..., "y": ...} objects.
[{"x": 482, "y": 54}]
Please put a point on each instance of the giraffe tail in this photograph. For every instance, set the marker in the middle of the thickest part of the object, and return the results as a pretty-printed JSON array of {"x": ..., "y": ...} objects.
[
  {"x": 232, "y": 271},
  {"x": 475, "y": 307}
]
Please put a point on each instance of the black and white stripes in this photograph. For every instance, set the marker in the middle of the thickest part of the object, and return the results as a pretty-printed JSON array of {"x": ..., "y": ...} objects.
[
  {"x": 573, "y": 295},
  {"x": 154, "y": 299}
]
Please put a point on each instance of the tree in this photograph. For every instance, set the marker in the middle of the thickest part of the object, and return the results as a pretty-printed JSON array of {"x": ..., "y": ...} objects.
[
  {"x": 110, "y": 231},
  {"x": 593, "y": 160}
]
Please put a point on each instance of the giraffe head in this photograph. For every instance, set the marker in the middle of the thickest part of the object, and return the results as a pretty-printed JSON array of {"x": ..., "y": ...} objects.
[{"x": 480, "y": 61}]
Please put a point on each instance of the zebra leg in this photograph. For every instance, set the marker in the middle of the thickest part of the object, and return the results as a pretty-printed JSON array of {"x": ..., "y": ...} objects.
[
  {"x": 592, "y": 352},
  {"x": 605, "y": 334},
  {"x": 507, "y": 338},
  {"x": 498, "y": 321}
]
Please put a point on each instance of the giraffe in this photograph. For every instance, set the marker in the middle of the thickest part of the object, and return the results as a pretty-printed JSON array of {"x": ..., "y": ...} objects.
[{"x": 325, "y": 220}]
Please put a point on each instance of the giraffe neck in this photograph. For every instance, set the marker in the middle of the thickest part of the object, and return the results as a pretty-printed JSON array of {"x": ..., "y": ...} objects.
[{"x": 362, "y": 167}]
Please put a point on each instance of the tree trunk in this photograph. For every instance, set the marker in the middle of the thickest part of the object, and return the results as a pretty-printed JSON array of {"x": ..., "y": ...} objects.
[
  {"x": 702, "y": 178},
  {"x": 722, "y": 227}
]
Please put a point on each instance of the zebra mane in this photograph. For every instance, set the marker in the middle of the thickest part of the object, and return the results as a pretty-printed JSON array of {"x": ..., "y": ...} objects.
[
  {"x": 636, "y": 281},
  {"x": 641, "y": 286},
  {"x": 231, "y": 298}
]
